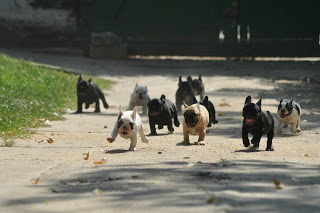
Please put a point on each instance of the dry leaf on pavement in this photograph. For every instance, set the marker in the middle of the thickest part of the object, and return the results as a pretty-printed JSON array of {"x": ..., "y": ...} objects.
[
  {"x": 224, "y": 104},
  {"x": 277, "y": 183},
  {"x": 87, "y": 156}
]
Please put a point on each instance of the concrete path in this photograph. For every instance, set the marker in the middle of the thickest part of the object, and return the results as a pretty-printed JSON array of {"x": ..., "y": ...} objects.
[{"x": 163, "y": 176}]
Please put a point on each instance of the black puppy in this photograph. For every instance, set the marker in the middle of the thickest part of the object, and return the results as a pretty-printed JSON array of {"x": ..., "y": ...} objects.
[
  {"x": 160, "y": 112},
  {"x": 197, "y": 86},
  {"x": 257, "y": 123},
  {"x": 209, "y": 106},
  {"x": 184, "y": 93},
  {"x": 88, "y": 93}
]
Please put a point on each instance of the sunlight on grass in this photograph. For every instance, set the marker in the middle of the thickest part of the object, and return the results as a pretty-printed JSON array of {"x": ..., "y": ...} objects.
[{"x": 29, "y": 94}]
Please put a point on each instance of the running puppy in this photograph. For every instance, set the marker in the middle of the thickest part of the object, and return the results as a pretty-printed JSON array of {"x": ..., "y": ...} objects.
[
  {"x": 139, "y": 97},
  {"x": 89, "y": 93},
  {"x": 289, "y": 112},
  {"x": 197, "y": 86},
  {"x": 257, "y": 123},
  {"x": 195, "y": 122},
  {"x": 184, "y": 93},
  {"x": 161, "y": 112},
  {"x": 209, "y": 106},
  {"x": 127, "y": 126}
]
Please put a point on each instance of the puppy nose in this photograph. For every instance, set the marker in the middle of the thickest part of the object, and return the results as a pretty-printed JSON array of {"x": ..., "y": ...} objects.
[
  {"x": 124, "y": 127},
  {"x": 283, "y": 110}
]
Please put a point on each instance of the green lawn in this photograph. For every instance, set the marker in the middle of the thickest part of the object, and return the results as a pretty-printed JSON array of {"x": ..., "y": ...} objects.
[{"x": 29, "y": 94}]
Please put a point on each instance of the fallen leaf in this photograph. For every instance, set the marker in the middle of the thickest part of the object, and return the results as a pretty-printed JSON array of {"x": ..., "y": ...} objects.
[
  {"x": 220, "y": 114},
  {"x": 98, "y": 191},
  {"x": 105, "y": 126},
  {"x": 53, "y": 190},
  {"x": 36, "y": 181},
  {"x": 87, "y": 156},
  {"x": 277, "y": 183},
  {"x": 224, "y": 104},
  {"x": 97, "y": 162},
  {"x": 306, "y": 155},
  {"x": 210, "y": 200},
  {"x": 46, "y": 202},
  {"x": 50, "y": 140},
  {"x": 159, "y": 153}
]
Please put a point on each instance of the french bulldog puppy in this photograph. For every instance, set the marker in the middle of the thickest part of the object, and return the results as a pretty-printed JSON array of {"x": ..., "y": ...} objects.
[
  {"x": 161, "y": 112},
  {"x": 89, "y": 93},
  {"x": 257, "y": 123},
  {"x": 139, "y": 97},
  {"x": 197, "y": 86},
  {"x": 209, "y": 106},
  {"x": 184, "y": 94},
  {"x": 127, "y": 126},
  {"x": 289, "y": 113},
  {"x": 195, "y": 122}
]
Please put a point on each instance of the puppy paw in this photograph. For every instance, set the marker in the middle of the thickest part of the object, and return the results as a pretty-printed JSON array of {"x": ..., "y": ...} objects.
[
  {"x": 145, "y": 140},
  {"x": 285, "y": 126},
  {"x": 110, "y": 140},
  {"x": 133, "y": 149},
  {"x": 269, "y": 149},
  {"x": 298, "y": 130},
  {"x": 153, "y": 133},
  {"x": 246, "y": 143},
  {"x": 215, "y": 121},
  {"x": 160, "y": 127},
  {"x": 97, "y": 110},
  {"x": 171, "y": 129},
  {"x": 202, "y": 143},
  {"x": 255, "y": 146},
  {"x": 78, "y": 111}
]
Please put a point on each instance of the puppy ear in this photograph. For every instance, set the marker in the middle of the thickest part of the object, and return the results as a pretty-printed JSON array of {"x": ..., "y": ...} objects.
[
  {"x": 259, "y": 102},
  {"x": 206, "y": 100},
  {"x": 291, "y": 101},
  {"x": 146, "y": 88},
  {"x": 120, "y": 111},
  {"x": 248, "y": 100},
  {"x": 185, "y": 105},
  {"x": 80, "y": 78},
  {"x": 198, "y": 105},
  {"x": 133, "y": 115},
  {"x": 89, "y": 80},
  {"x": 189, "y": 79},
  {"x": 194, "y": 100},
  {"x": 281, "y": 100},
  {"x": 200, "y": 78},
  {"x": 180, "y": 80},
  {"x": 163, "y": 98},
  {"x": 136, "y": 85}
]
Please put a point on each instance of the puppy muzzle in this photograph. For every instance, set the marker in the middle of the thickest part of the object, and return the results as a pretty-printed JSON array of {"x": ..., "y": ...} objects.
[{"x": 249, "y": 121}]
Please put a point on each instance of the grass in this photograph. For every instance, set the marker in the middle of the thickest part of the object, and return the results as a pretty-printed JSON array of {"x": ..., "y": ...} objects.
[
  {"x": 30, "y": 94},
  {"x": 9, "y": 142}
]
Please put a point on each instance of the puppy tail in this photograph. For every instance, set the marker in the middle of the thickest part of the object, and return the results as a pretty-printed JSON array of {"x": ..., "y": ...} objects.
[{"x": 103, "y": 99}]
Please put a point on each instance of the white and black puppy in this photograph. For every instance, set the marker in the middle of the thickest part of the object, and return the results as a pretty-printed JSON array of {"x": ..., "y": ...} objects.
[
  {"x": 127, "y": 126},
  {"x": 289, "y": 113},
  {"x": 139, "y": 97}
]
